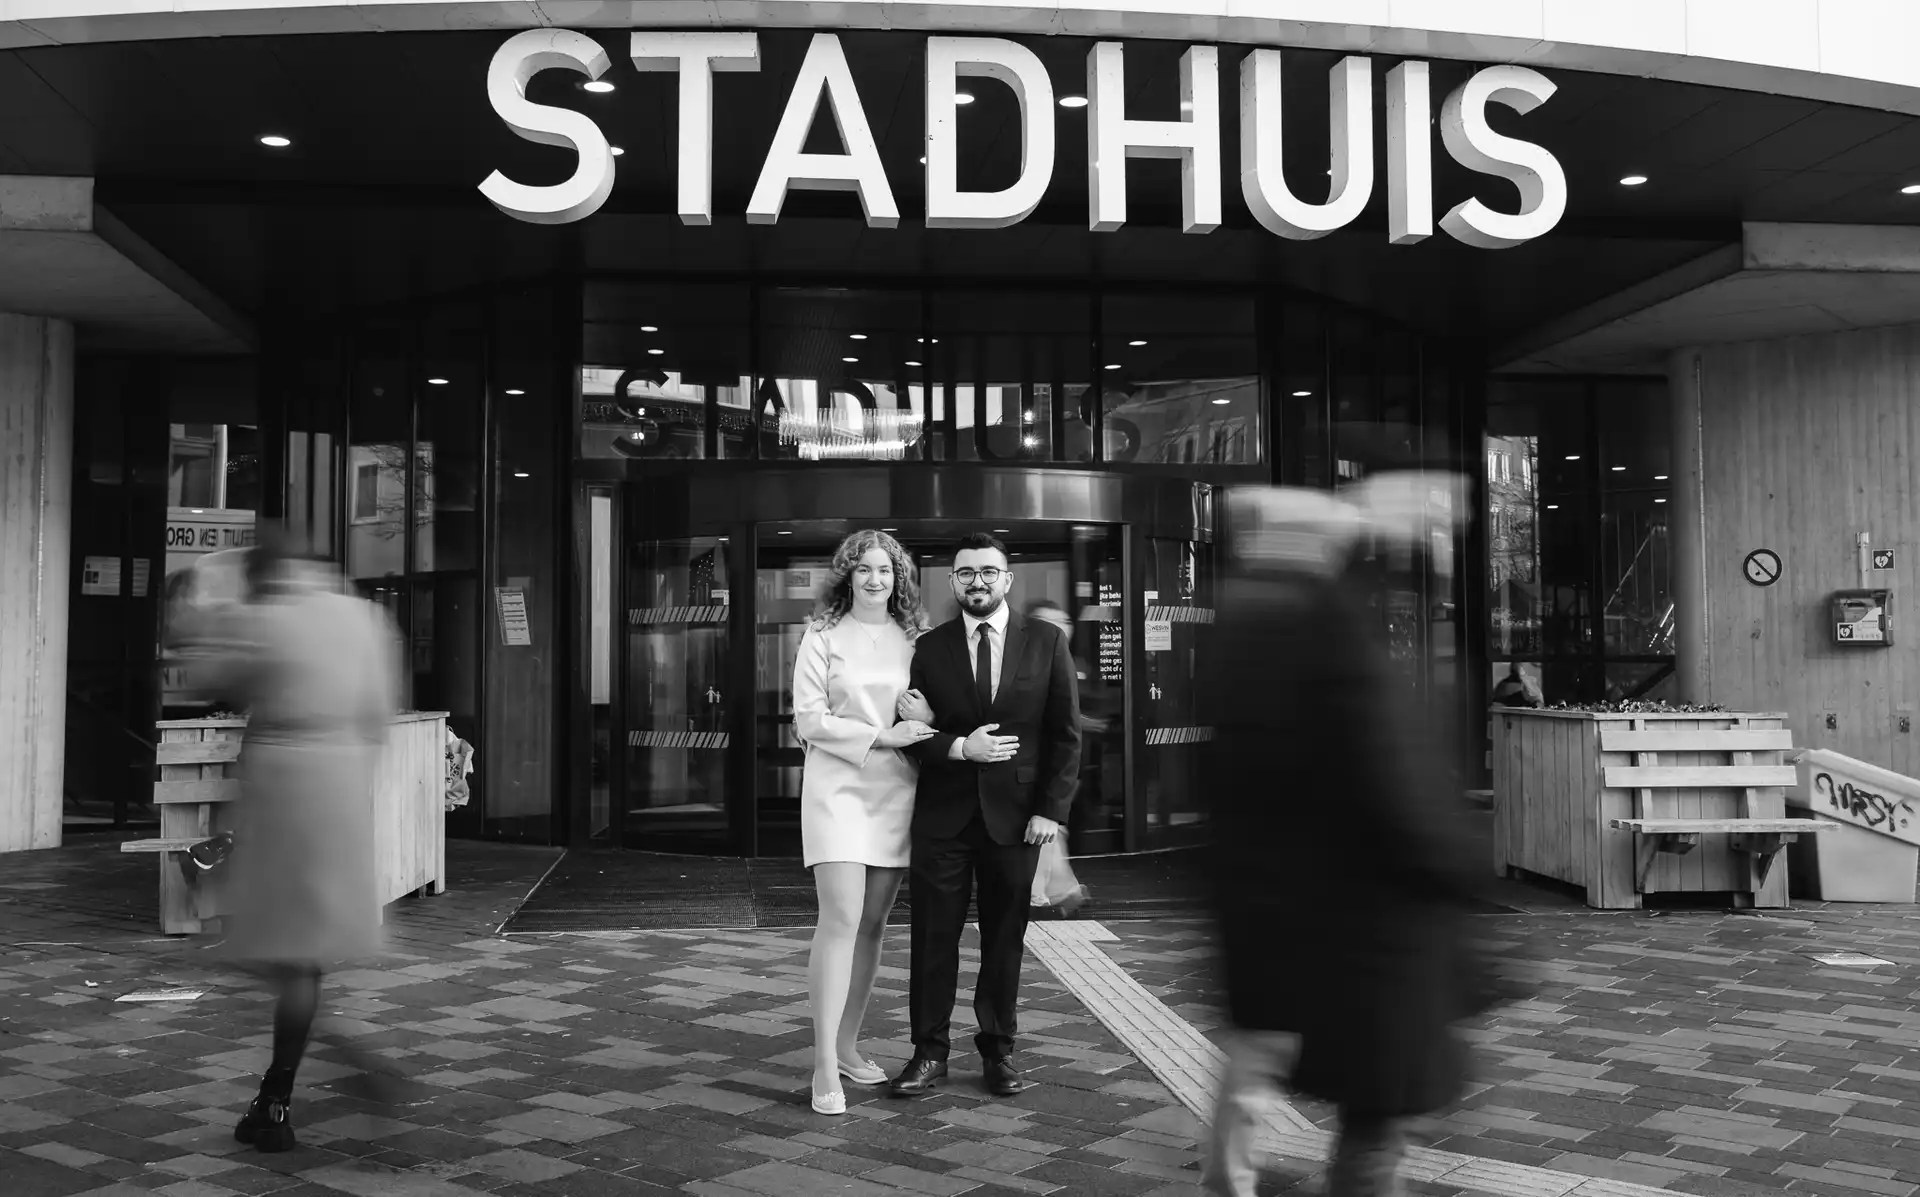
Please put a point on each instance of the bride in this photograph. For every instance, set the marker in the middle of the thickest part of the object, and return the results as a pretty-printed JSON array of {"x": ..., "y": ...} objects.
[{"x": 856, "y": 792}]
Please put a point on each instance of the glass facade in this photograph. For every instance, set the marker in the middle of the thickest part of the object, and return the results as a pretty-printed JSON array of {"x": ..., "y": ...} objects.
[
  {"x": 656, "y": 471},
  {"x": 1580, "y": 604}
]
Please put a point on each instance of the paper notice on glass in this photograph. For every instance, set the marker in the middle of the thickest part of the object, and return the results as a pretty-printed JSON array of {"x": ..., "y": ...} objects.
[
  {"x": 511, "y": 602},
  {"x": 142, "y": 575},
  {"x": 1159, "y": 635},
  {"x": 100, "y": 575}
]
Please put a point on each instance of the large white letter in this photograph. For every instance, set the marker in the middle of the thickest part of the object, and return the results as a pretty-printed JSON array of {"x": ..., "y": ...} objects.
[
  {"x": 522, "y": 57},
  {"x": 1474, "y": 144},
  {"x": 948, "y": 60},
  {"x": 1409, "y": 154},
  {"x": 1112, "y": 139},
  {"x": 696, "y": 56},
  {"x": 824, "y": 73},
  {"x": 1349, "y": 136}
]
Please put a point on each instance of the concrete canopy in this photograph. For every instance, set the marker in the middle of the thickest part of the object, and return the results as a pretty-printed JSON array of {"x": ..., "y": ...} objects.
[
  {"x": 1780, "y": 280},
  {"x": 62, "y": 255},
  {"x": 1862, "y": 52}
]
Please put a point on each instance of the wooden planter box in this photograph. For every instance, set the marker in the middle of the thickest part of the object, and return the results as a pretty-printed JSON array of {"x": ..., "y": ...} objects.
[
  {"x": 195, "y": 788},
  {"x": 1555, "y": 811}
]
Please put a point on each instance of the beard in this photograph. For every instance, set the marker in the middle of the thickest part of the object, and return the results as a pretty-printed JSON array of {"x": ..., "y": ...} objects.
[{"x": 981, "y": 603}]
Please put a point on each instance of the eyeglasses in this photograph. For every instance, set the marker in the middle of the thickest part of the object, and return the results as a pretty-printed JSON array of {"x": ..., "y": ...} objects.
[{"x": 989, "y": 575}]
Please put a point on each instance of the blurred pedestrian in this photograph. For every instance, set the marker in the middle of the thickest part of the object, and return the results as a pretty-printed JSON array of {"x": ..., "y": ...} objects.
[
  {"x": 316, "y": 674},
  {"x": 1341, "y": 891},
  {"x": 856, "y": 792}
]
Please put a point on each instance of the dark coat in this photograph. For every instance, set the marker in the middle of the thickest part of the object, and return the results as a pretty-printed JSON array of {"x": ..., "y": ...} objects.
[
  {"x": 1036, "y": 701},
  {"x": 1340, "y": 881}
]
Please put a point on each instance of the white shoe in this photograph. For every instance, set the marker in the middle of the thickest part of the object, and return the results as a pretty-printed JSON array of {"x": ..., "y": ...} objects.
[
  {"x": 864, "y": 1072},
  {"x": 830, "y": 1103}
]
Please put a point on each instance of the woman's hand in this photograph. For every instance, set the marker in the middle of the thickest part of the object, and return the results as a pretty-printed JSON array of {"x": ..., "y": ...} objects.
[
  {"x": 913, "y": 705},
  {"x": 904, "y": 734}
]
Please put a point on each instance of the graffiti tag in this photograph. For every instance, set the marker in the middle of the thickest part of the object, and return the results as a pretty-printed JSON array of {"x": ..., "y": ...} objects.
[{"x": 1864, "y": 806}]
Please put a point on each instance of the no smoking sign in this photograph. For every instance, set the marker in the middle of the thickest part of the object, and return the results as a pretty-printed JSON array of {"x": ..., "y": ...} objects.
[{"x": 1762, "y": 567}]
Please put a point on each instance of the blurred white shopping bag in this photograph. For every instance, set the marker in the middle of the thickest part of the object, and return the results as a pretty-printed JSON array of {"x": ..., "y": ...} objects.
[{"x": 1054, "y": 884}]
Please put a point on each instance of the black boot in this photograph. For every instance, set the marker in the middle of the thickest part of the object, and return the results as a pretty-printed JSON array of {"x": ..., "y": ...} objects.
[{"x": 267, "y": 1124}]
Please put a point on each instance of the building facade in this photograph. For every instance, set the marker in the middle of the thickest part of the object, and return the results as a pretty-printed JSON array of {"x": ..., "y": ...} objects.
[{"x": 579, "y": 344}]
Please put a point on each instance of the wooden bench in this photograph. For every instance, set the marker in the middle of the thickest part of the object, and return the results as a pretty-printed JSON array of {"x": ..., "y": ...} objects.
[
  {"x": 1757, "y": 835},
  {"x": 191, "y": 796}
]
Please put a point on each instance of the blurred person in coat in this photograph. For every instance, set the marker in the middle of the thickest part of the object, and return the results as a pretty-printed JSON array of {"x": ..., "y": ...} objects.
[
  {"x": 317, "y": 674},
  {"x": 1341, "y": 890}
]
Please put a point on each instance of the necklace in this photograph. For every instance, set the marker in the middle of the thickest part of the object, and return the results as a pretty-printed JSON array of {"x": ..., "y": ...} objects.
[{"x": 873, "y": 636}]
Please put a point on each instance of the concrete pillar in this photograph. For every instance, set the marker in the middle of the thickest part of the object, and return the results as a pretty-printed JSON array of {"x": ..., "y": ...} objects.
[
  {"x": 1693, "y": 671},
  {"x": 36, "y": 508}
]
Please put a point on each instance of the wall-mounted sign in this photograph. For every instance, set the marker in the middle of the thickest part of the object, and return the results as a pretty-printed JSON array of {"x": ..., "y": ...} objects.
[
  {"x": 1883, "y": 558},
  {"x": 1762, "y": 567},
  {"x": 100, "y": 576},
  {"x": 1113, "y": 139}
]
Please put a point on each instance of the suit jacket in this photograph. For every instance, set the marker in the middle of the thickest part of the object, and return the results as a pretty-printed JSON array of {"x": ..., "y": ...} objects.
[{"x": 1036, "y": 701}]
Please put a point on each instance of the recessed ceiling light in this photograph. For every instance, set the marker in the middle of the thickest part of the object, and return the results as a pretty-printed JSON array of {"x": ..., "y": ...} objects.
[
  {"x": 515, "y": 391},
  {"x": 275, "y": 141},
  {"x": 439, "y": 382},
  {"x": 1027, "y": 415},
  {"x": 923, "y": 161},
  {"x": 1910, "y": 189},
  {"x": 849, "y": 359},
  {"x": 617, "y": 151},
  {"x": 889, "y": 529},
  {"x": 1618, "y": 469},
  {"x": 1633, "y": 180},
  {"x": 786, "y": 534},
  {"x": 1136, "y": 344},
  {"x": 649, "y": 328},
  {"x": 1221, "y": 402},
  {"x": 962, "y": 97},
  {"x": 1113, "y": 365},
  {"x": 916, "y": 365},
  {"x": 1073, "y": 101},
  {"x": 655, "y": 352},
  {"x": 600, "y": 86},
  {"x": 1003, "y": 531},
  {"x": 521, "y": 474},
  {"x": 856, "y": 336},
  {"x": 1301, "y": 394},
  {"x": 1030, "y": 441},
  {"x": 1659, "y": 500},
  {"x": 1553, "y": 507},
  {"x": 1659, "y": 477},
  {"x": 1573, "y": 457}
]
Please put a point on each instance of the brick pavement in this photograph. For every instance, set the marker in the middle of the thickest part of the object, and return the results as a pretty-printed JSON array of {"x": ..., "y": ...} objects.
[
  {"x": 1697, "y": 1053},
  {"x": 1700, "y": 1052}
]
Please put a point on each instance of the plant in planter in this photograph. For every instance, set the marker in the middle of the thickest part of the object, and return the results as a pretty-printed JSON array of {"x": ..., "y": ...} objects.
[{"x": 1638, "y": 706}]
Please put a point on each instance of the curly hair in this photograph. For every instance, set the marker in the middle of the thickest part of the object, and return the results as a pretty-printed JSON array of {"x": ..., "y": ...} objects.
[{"x": 903, "y": 604}]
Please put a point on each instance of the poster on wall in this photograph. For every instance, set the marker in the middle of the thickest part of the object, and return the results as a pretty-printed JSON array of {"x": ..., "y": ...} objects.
[{"x": 192, "y": 533}]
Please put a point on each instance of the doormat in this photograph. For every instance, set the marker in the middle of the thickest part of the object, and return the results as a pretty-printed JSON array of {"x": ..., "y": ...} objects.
[{"x": 609, "y": 890}]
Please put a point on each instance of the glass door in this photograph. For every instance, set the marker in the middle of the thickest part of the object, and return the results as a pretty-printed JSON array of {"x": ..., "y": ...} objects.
[
  {"x": 676, "y": 703},
  {"x": 1176, "y": 602}
]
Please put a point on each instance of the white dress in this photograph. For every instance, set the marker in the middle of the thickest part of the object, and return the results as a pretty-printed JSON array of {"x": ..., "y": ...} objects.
[{"x": 856, "y": 799}]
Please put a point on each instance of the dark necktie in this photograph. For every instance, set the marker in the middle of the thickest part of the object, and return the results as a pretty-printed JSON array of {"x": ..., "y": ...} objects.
[{"x": 983, "y": 669}]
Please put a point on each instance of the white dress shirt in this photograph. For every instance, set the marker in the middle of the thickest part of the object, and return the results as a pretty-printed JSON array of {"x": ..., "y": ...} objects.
[{"x": 997, "y": 651}]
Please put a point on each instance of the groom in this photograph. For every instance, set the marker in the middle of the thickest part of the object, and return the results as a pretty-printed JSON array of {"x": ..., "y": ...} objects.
[{"x": 996, "y": 779}]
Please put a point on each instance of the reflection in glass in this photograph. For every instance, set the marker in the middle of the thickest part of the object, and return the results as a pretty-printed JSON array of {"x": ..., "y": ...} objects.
[
  {"x": 843, "y": 373},
  {"x": 666, "y": 371},
  {"x": 677, "y": 706},
  {"x": 1014, "y": 370},
  {"x": 1181, "y": 380}
]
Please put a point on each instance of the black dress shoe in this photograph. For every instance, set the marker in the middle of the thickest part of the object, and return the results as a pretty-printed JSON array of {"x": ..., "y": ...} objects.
[
  {"x": 267, "y": 1125},
  {"x": 1003, "y": 1079},
  {"x": 918, "y": 1077}
]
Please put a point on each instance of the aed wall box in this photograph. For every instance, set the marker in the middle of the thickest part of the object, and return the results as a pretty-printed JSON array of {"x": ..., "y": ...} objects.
[{"x": 1860, "y": 617}]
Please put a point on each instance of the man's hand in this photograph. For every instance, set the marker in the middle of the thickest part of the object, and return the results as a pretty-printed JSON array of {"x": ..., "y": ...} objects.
[
  {"x": 1041, "y": 830},
  {"x": 985, "y": 748}
]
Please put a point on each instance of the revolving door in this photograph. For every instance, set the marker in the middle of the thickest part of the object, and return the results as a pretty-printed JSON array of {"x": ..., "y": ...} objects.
[{"x": 703, "y": 582}]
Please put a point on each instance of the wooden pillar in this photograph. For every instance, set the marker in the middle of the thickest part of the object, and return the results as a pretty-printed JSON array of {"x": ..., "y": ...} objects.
[
  {"x": 1693, "y": 673},
  {"x": 36, "y": 507}
]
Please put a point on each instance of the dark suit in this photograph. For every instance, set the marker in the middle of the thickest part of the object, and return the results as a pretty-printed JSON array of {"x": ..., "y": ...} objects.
[{"x": 971, "y": 819}]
